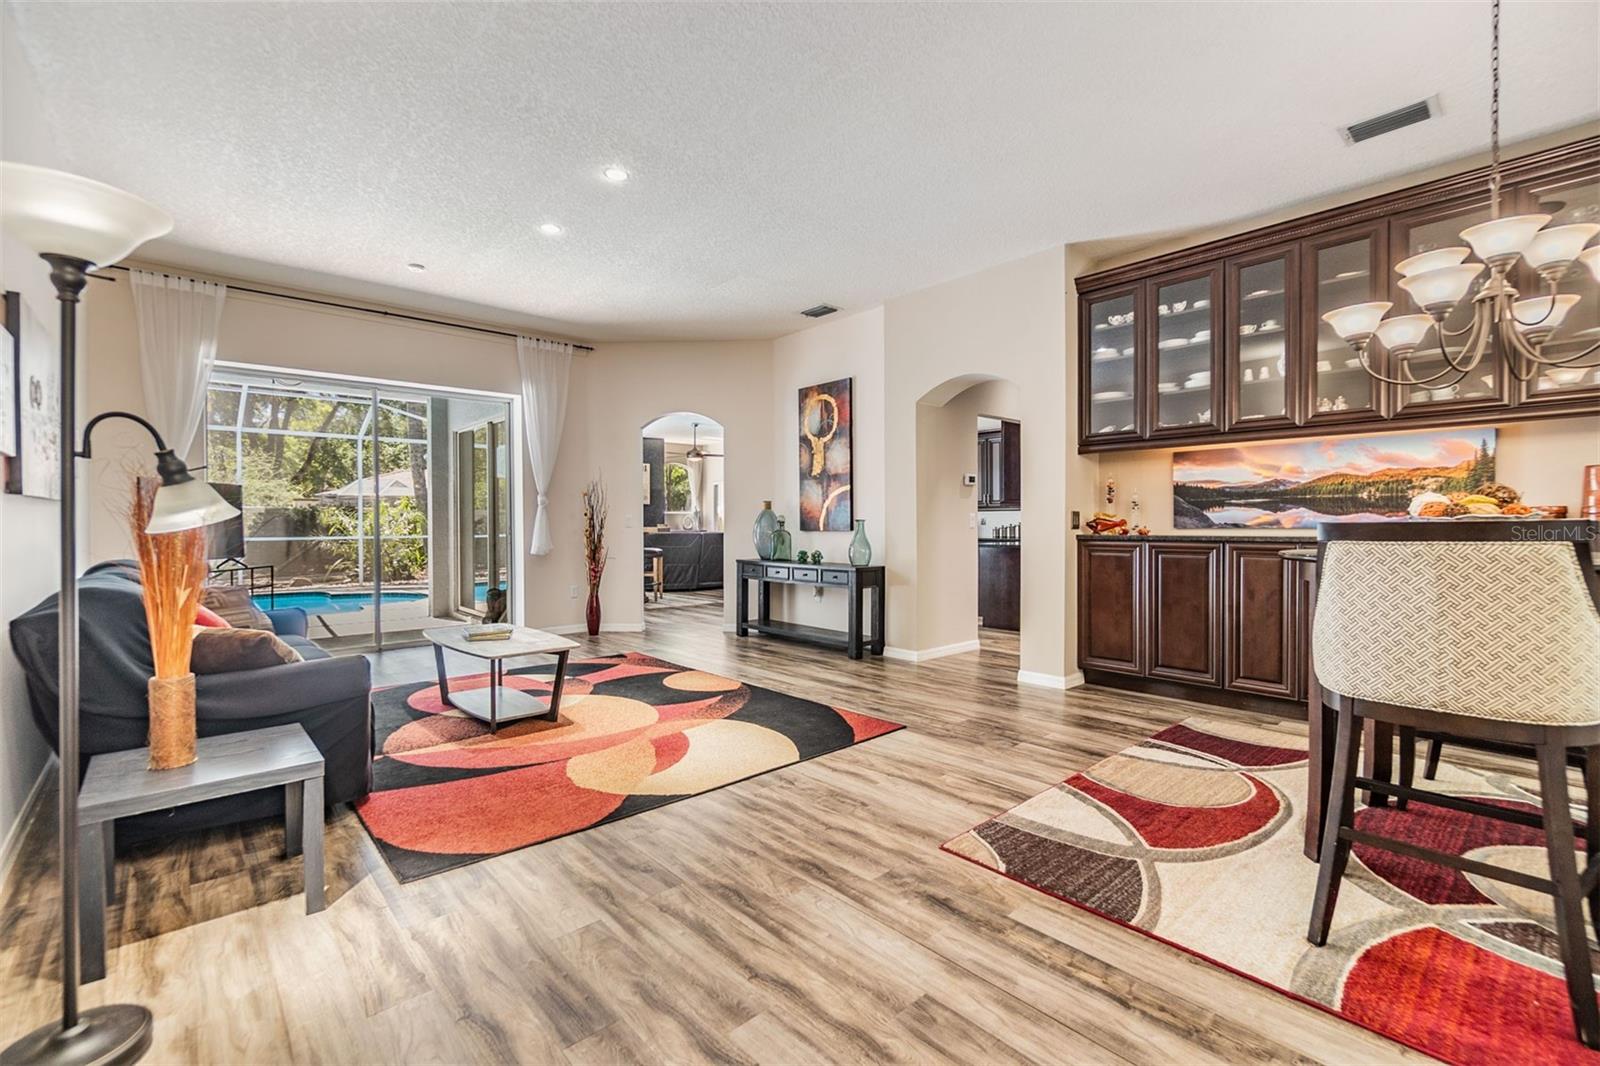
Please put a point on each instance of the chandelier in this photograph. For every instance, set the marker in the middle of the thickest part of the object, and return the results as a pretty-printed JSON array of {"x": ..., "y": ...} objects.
[{"x": 1438, "y": 280}]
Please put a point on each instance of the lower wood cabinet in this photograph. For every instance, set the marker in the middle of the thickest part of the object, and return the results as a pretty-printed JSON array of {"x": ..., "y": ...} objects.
[
  {"x": 1211, "y": 615},
  {"x": 1262, "y": 622},
  {"x": 1000, "y": 584},
  {"x": 1185, "y": 582},
  {"x": 1111, "y": 606}
]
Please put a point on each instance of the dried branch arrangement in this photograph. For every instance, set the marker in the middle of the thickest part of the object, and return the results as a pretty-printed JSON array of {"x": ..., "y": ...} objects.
[
  {"x": 172, "y": 567},
  {"x": 594, "y": 531}
]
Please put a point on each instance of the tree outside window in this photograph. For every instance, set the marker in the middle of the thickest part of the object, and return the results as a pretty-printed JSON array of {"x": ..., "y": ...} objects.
[{"x": 677, "y": 478}]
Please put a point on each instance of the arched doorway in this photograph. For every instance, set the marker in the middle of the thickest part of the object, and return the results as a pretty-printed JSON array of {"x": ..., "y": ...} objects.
[
  {"x": 683, "y": 485},
  {"x": 969, "y": 517}
]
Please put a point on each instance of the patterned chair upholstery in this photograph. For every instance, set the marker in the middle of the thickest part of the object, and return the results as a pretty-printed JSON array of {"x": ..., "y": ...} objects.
[
  {"x": 1487, "y": 632},
  {"x": 1499, "y": 629}
]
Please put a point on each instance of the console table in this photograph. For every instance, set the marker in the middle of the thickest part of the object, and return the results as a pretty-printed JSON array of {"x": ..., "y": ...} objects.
[{"x": 854, "y": 580}]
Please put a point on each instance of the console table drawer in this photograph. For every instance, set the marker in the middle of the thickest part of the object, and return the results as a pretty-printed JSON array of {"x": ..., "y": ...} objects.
[
  {"x": 775, "y": 573},
  {"x": 836, "y": 577},
  {"x": 750, "y": 570},
  {"x": 804, "y": 573}
]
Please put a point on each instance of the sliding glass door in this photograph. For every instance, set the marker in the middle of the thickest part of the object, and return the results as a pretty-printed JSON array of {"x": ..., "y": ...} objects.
[
  {"x": 349, "y": 501},
  {"x": 483, "y": 504}
]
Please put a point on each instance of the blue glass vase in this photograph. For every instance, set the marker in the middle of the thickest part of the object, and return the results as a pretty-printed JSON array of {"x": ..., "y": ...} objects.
[
  {"x": 766, "y": 525},
  {"x": 860, "y": 547}
]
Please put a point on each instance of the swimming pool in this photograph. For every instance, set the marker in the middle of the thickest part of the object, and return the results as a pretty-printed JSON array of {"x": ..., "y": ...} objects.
[{"x": 334, "y": 602}]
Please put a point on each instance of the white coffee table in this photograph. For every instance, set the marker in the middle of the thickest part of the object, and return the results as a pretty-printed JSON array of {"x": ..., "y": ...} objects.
[{"x": 497, "y": 703}]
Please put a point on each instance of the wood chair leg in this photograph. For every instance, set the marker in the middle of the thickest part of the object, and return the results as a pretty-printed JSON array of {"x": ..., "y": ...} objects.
[
  {"x": 1591, "y": 831},
  {"x": 1340, "y": 814},
  {"x": 1562, "y": 845},
  {"x": 1408, "y": 761},
  {"x": 1435, "y": 749}
]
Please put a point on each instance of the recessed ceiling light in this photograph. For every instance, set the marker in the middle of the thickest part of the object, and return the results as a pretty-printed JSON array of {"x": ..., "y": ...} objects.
[
  {"x": 615, "y": 174},
  {"x": 418, "y": 267},
  {"x": 550, "y": 229}
]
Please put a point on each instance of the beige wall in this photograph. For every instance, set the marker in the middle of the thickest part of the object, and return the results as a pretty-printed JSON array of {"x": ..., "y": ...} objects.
[
  {"x": 29, "y": 558},
  {"x": 1007, "y": 323},
  {"x": 614, "y": 391},
  {"x": 849, "y": 347}
]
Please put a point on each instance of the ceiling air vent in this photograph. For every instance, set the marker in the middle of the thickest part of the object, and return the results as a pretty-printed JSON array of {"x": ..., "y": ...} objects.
[
  {"x": 819, "y": 311},
  {"x": 1399, "y": 118}
]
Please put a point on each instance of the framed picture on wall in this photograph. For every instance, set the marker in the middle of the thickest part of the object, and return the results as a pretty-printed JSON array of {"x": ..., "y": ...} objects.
[
  {"x": 825, "y": 455},
  {"x": 8, "y": 392},
  {"x": 35, "y": 467}
]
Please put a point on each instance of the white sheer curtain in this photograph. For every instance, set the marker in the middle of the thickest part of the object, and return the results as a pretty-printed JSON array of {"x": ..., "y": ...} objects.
[
  {"x": 546, "y": 366},
  {"x": 179, "y": 319}
]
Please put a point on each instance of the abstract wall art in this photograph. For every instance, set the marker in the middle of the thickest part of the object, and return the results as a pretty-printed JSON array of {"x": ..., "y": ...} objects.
[
  {"x": 1295, "y": 485},
  {"x": 825, "y": 429}
]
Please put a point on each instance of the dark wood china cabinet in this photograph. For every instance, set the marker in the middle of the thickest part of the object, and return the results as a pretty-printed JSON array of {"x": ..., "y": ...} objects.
[{"x": 1225, "y": 341}]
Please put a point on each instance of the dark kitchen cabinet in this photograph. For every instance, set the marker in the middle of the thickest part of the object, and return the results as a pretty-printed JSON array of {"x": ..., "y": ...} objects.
[
  {"x": 1000, "y": 468},
  {"x": 1211, "y": 618},
  {"x": 1185, "y": 635},
  {"x": 1000, "y": 584},
  {"x": 1240, "y": 351},
  {"x": 1111, "y": 606},
  {"x": 1260, "y": 612}
]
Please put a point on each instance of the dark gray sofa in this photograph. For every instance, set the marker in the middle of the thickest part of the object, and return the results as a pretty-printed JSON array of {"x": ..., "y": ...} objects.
[
  {"x": 693, "y": 558},
  {"x": 330, "y": 697}
]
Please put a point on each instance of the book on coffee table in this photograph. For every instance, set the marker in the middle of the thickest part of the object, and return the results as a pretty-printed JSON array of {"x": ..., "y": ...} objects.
[{"x": 488, "y": 632}]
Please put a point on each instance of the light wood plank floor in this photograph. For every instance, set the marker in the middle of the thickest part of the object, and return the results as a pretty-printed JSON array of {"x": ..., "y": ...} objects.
[{"x": 806, "y": 915}]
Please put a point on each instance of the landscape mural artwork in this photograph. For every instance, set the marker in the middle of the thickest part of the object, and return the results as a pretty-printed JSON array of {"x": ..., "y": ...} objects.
[{"x": 1298, "y": 484}]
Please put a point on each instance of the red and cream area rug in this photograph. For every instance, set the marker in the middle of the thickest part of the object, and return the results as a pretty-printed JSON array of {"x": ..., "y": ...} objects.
[
  {"x": 635, "y": 733},
  {"x": 1194, "y": 837}
]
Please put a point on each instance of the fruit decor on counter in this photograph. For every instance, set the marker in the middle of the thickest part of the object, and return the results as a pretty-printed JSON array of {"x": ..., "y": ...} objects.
[
  {"x": 1487, "y": 501},
  {"x": 1109, "y": 525}
]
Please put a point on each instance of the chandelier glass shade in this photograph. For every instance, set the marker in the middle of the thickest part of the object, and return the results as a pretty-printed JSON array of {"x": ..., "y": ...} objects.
[{"x": 1514, "y": 328}]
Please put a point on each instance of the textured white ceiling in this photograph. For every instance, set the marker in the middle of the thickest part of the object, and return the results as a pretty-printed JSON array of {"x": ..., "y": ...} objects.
[{"x": 784, "y": 154}]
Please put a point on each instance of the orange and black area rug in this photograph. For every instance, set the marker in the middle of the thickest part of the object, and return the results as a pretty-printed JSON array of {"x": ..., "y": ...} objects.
[
  {"x": 1194, "y": 837},
  {"x": 635, "y": 733}
]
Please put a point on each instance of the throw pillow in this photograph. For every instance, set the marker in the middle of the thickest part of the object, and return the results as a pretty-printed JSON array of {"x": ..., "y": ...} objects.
[
  {"x": 234, "y": 604},
  {"x": 222, "y": 651},
  {"x": 205, "y": 616}
]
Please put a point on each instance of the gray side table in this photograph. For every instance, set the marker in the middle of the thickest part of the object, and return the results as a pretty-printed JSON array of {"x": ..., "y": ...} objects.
[{"x": 120, "y": 783}]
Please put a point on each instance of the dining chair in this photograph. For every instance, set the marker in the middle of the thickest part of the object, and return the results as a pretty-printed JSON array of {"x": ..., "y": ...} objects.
[{"x": 1488, "y": 631}]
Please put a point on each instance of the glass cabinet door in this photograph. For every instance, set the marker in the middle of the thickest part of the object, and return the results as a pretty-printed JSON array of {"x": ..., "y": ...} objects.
[
  {"x": 1183, "y": 355},
  {"x": 1425, "y": 232},
  {"x": 1259, "y": 360},
  {"x": 1110, "y": 379},
  {"x": 1340, "y": 269},
  {"x": 1566, "y": 203}
]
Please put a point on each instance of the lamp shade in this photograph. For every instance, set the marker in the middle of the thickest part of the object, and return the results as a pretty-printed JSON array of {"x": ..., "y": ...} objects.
[
  {"x": 1403, "y": 333},
  {"x": 1590, "y": 257},
  {"x": 1356, "y": 322},
  {"x": 1503, "y": 238},
  {"x": 1440, "y": 257},
  {"x": 187, "y": 505},
  {"x": 56, "y": 213},
  {"x": 1438, "y": 290},
  {"x": 1558, "y": 244},
  {"x": 1541, "y": 315}
]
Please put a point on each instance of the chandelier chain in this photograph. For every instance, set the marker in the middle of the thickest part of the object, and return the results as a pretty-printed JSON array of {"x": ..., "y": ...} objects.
[{"x": 1494, "y": 112}]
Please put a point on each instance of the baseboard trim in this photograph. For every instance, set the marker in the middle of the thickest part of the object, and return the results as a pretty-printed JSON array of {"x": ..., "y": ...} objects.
[
  {"x": 909, "y": 655},
  {"x": 1055, "y": 681},
  {"x": 13, "y": 841},
  {"x": 605, "y": 627}
]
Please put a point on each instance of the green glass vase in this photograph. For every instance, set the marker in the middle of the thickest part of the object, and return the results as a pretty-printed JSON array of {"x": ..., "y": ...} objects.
[{"x": 782, "y": 542}]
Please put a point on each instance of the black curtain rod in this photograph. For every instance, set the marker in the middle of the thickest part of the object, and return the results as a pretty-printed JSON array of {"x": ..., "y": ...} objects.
[{"x": 357, "y": 307}]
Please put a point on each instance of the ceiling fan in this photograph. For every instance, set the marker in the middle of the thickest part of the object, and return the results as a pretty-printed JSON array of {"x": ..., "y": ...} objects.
[{"x": 697, "y": 453}]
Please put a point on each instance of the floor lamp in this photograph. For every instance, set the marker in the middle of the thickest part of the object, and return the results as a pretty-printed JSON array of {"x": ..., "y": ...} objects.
[{"x": 76, "y": 224}]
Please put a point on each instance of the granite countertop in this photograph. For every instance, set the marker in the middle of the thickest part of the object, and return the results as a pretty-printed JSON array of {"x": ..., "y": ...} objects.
[{"x": 1244, "y": 538}]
